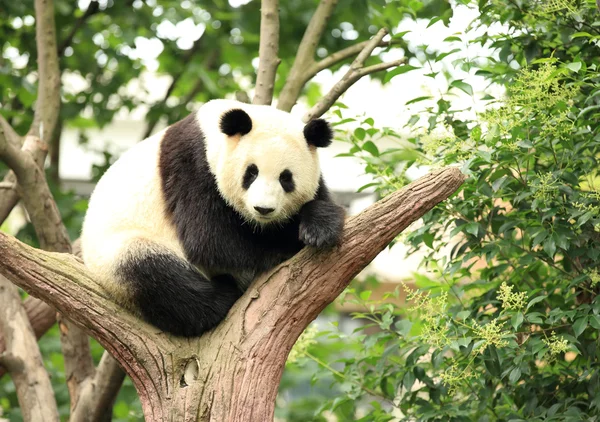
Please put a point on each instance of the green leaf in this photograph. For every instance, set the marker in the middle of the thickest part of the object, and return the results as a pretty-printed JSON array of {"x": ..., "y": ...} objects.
[
  {"x": 398, "y": 71},
  {"x": 581, "y": 34},
  {"x": 463, "y": 86},
  {"x": 365, "y": 295},
  {"x": 514, "y": 375},
  {"x": 575, "y": 66},
  {"x": 550, "y": 247},
  {"x": 359, "y": 133},
  {"x": 418, "y": 99},
  {"x": 371, "y": 148},
  {"x": 580, "y": 325},
  {"x": 535, "y": 300},
  {"x": 516, "y": 320},
  {"x": 472, "y": 228}
]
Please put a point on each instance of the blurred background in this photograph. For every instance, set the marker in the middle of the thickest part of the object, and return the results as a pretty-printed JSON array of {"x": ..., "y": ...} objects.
[{"x": 132, "y": 67}]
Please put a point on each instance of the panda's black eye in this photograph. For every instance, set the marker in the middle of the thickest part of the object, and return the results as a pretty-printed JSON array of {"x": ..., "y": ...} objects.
[
  {"x": 287, "y": 181},
  {"x": 249, "y": 176}
]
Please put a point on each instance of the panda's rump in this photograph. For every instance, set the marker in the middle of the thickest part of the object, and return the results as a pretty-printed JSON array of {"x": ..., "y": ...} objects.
[{"x": 127, "y": 205}]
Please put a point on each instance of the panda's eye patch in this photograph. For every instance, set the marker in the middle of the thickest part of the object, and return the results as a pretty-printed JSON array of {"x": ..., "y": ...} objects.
[
  {"x": 287, "y": 181},
  {"x": 249, "y": 176}
]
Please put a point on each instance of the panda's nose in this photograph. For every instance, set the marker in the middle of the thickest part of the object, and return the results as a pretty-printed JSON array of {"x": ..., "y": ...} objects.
[{"x": 264, "y": 211}]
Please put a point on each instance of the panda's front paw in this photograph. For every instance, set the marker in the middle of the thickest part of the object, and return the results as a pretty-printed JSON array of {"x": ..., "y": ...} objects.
[{"x": 321, "y": 224}]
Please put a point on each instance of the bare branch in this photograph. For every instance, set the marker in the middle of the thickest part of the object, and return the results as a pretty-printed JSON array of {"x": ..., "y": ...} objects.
[
  {"x": 305, "y": 58},
  {"x": 267, "y": 52},
  {"x": 23, "y": 359},
  {"x": 379, "y": 67},
  {"x": 209, "y": 64},
  {"x": 355, "y": 72},
  {"x": 93, "y": 8},
  {"x": 254, "y": 340},
  {"x": 48, "y": 98},
  {"x": 99, "y": 394},
  {"x": 341, "y": 55},
  {"x": 41, "y": 317},
  {"x": 369, "y": 47}
]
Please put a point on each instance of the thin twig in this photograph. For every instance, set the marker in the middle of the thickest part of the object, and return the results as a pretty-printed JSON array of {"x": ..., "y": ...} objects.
[
  {"x": 356, "y": 71},
  {"x": 93, "y": 8},
  {"x": 343, "y": 54},
  {"x": 267, "y": 52}
]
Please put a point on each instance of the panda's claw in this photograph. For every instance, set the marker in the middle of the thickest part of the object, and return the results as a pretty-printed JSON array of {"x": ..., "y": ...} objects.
[{"x": 321, "y": 224}]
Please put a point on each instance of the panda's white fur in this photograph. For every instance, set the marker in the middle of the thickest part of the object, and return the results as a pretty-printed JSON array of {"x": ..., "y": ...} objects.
[
  {"x": 126, "y": 204},
  {"x": 172, "y": 232}
]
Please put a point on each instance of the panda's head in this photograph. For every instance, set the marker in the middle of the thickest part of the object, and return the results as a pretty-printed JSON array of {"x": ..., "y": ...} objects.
[{"x": 264, "y": 160}]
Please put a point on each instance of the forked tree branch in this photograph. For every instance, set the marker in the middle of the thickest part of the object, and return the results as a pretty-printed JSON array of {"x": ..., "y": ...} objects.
[
  {"x": 23, "y": 360},
  {"x": 184, "y": 379},
  {"x": 305, "y": 57},
  {"x": 356, "y": 71},
  {"x": 268, "y": 50}
]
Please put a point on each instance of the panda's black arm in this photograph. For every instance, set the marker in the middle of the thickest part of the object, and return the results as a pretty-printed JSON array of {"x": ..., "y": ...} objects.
[{"x": 321, "y": 220}]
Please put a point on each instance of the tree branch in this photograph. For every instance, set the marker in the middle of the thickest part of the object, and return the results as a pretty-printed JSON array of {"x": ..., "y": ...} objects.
[
  {"x": 93, "y": 8},
  {"x": 23, "y": 359},
  {"x": 305, "y": 58},
  {"x": 99, "y": 394},
  {"x": 343, "y": 54},
  {"x": 41, "y": 317},
  {"x": 209, "y": 64},
  {"x": 355, "y": 72},
  {"x": 267, "y": 52},
  {"x": 48, "y": 98},
  {"x": 247, "y": 351}
]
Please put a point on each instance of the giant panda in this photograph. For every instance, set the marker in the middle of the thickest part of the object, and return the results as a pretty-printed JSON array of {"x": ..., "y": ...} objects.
[{"x": 181, "y": 223}]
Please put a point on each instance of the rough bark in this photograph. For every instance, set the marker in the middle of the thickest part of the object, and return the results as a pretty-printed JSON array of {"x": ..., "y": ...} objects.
[
  {"x": 231, "y": 373},
  {"x": 23, "y": 360},
  {"x": 41, "y": 317},
  {"x": 267, "y": 52}
]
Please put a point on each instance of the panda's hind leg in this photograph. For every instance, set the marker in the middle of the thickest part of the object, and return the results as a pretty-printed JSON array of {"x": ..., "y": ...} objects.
[{"x": 173, "y": 295}]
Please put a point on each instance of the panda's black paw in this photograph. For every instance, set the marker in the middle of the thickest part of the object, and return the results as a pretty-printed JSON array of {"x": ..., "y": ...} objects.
[{"x": 321, "y": 224}]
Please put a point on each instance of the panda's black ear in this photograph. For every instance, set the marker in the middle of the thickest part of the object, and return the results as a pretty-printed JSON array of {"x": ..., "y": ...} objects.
[
  {"x": 318, "y": 133},
  {"x": 235, "y": 121}
]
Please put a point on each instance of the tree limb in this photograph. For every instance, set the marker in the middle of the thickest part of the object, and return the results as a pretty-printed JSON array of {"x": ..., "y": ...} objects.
[
  {"x": 305, "y": 58},
  {"x": 356, "y": 71},
  {"x": 48, "y": 97},
  {"x": 183, "y": 379},
  {"x": 341, "y": 55},
  {"x": 267, "y": 52},
  {"x": 41, "y": 317},
  {"x": 93, "y": 8},
  {"x": 23, "y": 359},
  {"x": 209, "y": 64},
  {"x": 99, "y": 394}
]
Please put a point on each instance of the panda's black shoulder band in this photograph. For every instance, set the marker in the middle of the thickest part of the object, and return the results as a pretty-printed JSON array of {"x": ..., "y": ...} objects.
[
  {"x": 318, "y": 133},
  {"x": 235, "y": 122}
]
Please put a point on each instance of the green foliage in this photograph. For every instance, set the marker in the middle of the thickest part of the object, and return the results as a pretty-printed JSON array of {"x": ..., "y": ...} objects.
[{"x": 506, "y": 325}]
